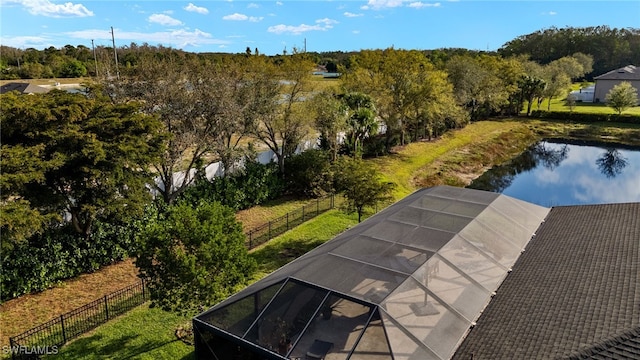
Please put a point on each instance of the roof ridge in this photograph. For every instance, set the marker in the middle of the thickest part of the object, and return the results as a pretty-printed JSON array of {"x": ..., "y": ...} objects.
[{"x": 606, "y": 344}]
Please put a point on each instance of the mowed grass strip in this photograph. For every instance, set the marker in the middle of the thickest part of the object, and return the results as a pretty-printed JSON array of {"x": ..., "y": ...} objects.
[
  {"x": 143, "y": 333},
  {"x": 271, "y": 210},
  {"x": 559, "y": 104},
  {"x": 27, "y": 311},
  {"x": 407, "y": 161}
]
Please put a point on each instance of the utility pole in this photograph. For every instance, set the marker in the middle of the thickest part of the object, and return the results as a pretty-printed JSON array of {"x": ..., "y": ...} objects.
[
  {"x": 95, "y": 59},
  {"x": 305, "y": 45},
  {"x": 115, "y": 53}
]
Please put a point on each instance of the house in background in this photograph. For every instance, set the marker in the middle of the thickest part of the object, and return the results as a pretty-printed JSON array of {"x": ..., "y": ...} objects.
[
  {"x": 606, "y": 82},
  {"x": 584, "y": 94},
  {"x": 23, "y": 88}
]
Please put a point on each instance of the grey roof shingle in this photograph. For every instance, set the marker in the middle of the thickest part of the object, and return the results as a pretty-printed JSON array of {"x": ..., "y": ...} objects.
[
  {"x": 628, "y": 72},
  {"x": 624, "y": 346},
  {"x": 574, "y": 289},
  {"x": 23, "y": 88}
]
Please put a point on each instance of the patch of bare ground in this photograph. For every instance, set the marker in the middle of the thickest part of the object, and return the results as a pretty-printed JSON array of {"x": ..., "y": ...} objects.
[{"x": 23, "y": 313}]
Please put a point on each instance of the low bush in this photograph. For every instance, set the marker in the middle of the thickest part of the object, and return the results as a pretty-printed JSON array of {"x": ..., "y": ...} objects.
[
  {"x": 254, "y": 185},
  {"x": 308, "y": 174}
]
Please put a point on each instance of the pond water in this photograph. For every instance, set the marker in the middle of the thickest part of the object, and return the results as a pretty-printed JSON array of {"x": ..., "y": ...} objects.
[{"x": 555, "y": 173}]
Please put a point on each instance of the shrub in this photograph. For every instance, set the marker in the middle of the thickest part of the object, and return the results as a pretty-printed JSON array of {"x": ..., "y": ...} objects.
[
  {"x": 309, "y": 173},
  {"x": 254, "y": 185}
]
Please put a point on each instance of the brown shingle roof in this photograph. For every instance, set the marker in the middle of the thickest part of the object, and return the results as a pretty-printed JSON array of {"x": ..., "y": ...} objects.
[{"x": 575, "y": 286}]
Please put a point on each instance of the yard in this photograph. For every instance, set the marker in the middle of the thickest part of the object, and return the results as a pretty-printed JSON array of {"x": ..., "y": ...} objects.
[{"x": 146, "y": 333}]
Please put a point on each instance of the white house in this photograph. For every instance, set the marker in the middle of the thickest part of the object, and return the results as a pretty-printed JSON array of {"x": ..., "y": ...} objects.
[{"x": 584, "y": 95}]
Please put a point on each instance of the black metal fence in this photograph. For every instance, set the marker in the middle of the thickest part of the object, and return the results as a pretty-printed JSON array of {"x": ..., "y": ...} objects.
[
  {"x": 273, "y": 228},
  {"x": 47, "y": 338}
]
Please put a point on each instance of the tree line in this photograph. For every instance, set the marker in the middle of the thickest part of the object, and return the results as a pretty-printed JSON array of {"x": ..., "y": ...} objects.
[
  {"x": 610, "y": 48},
  {"x": 77, "y": 168}
]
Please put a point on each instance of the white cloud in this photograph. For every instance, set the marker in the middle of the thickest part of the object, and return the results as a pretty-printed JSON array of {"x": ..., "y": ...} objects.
[
  {"x": 278, "y": 2},
  {"x": 420, "y": 5},
  {"x": 165, "y": 20},
  {"x": 356, "y": 32},
  {"x": 349, "y": 14},
  {"x": 382, "y": 4},
  {"x": 328, "y": 23},
  {"x": 177, "y": 38},
  {"x": 236, "y": 17},
  {"x": 253, "y": 6},
  {"x": 197, "y": 9},
  {"x": 321, "y": 25},
  {"x": 241, "y": 17},
  {"x": 47, "y": 8},
  {"x": 23, "y": 42}
]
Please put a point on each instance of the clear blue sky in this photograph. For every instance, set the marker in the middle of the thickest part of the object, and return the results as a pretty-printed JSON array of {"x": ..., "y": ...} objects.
[{"x": 272, "y": 26}]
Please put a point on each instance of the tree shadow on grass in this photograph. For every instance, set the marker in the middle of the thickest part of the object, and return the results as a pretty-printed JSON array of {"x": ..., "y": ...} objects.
[
  {"x": 275, "y": 255},
  {"x": 96, "y": 346}
]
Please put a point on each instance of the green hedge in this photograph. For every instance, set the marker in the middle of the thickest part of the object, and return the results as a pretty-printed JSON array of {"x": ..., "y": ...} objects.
[
  {"x": 60, "y": 253},
  {"x": 585, "y": 118},
  {"x": 254, "y": 185}
]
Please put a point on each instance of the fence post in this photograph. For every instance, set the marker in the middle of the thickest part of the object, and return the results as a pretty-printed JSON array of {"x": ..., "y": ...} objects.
[
  {"x": 64, "y": 333},
  {"x": 287, "y": 221},
  {"x": 143, "y": 293},
  {"x": 106, "y": 307},
  {"x": 303, "y": 213}
]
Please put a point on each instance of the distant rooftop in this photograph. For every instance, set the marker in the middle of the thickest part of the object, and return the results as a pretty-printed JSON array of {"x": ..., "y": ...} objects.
[
  {"x": 23, "y": 88},
  {"x": 629, "y": 72}
]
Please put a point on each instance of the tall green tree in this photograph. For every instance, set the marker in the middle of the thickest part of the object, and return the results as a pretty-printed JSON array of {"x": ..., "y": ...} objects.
[
  {"x": 193, "y": 257},
  {"x": 281, "y": 102},
  {"x": 622, "y": 96},
  {"x": 83, "y": 158},
  {"x": 531, "y": 87},
  {"x": 361, "y": 120},
  {"x": 330, "y": 115},
  {"x": 406, "y": 88},
  {"x": 164, "y": 84},
  {"x": 476, "y": 84},
  {"x": 361, "y": 185}
]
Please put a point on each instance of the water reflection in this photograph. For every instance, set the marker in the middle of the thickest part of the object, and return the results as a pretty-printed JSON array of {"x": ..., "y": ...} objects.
[
  {"x": 611, "y": 162},
  {"x": 500, "y": 177},
  {"x": 551, "y": 174}
]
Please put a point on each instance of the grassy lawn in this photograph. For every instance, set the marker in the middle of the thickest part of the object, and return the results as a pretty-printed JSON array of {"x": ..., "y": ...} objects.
[
  {"x": 262, "y": 214},
  {"x": 142, "y": 333},
  {"x": 300, "y": 240},
  {"x": 25, "y": 312},
  {"x": 149, "y": 333},
  {"x": 409, "y": 166},
  {"x": 456, "y": 158},
  {"x": 583, "y": 107}
]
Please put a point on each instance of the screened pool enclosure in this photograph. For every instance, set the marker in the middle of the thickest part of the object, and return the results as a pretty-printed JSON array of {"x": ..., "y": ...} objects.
[{"x": 407, "y": 283}]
